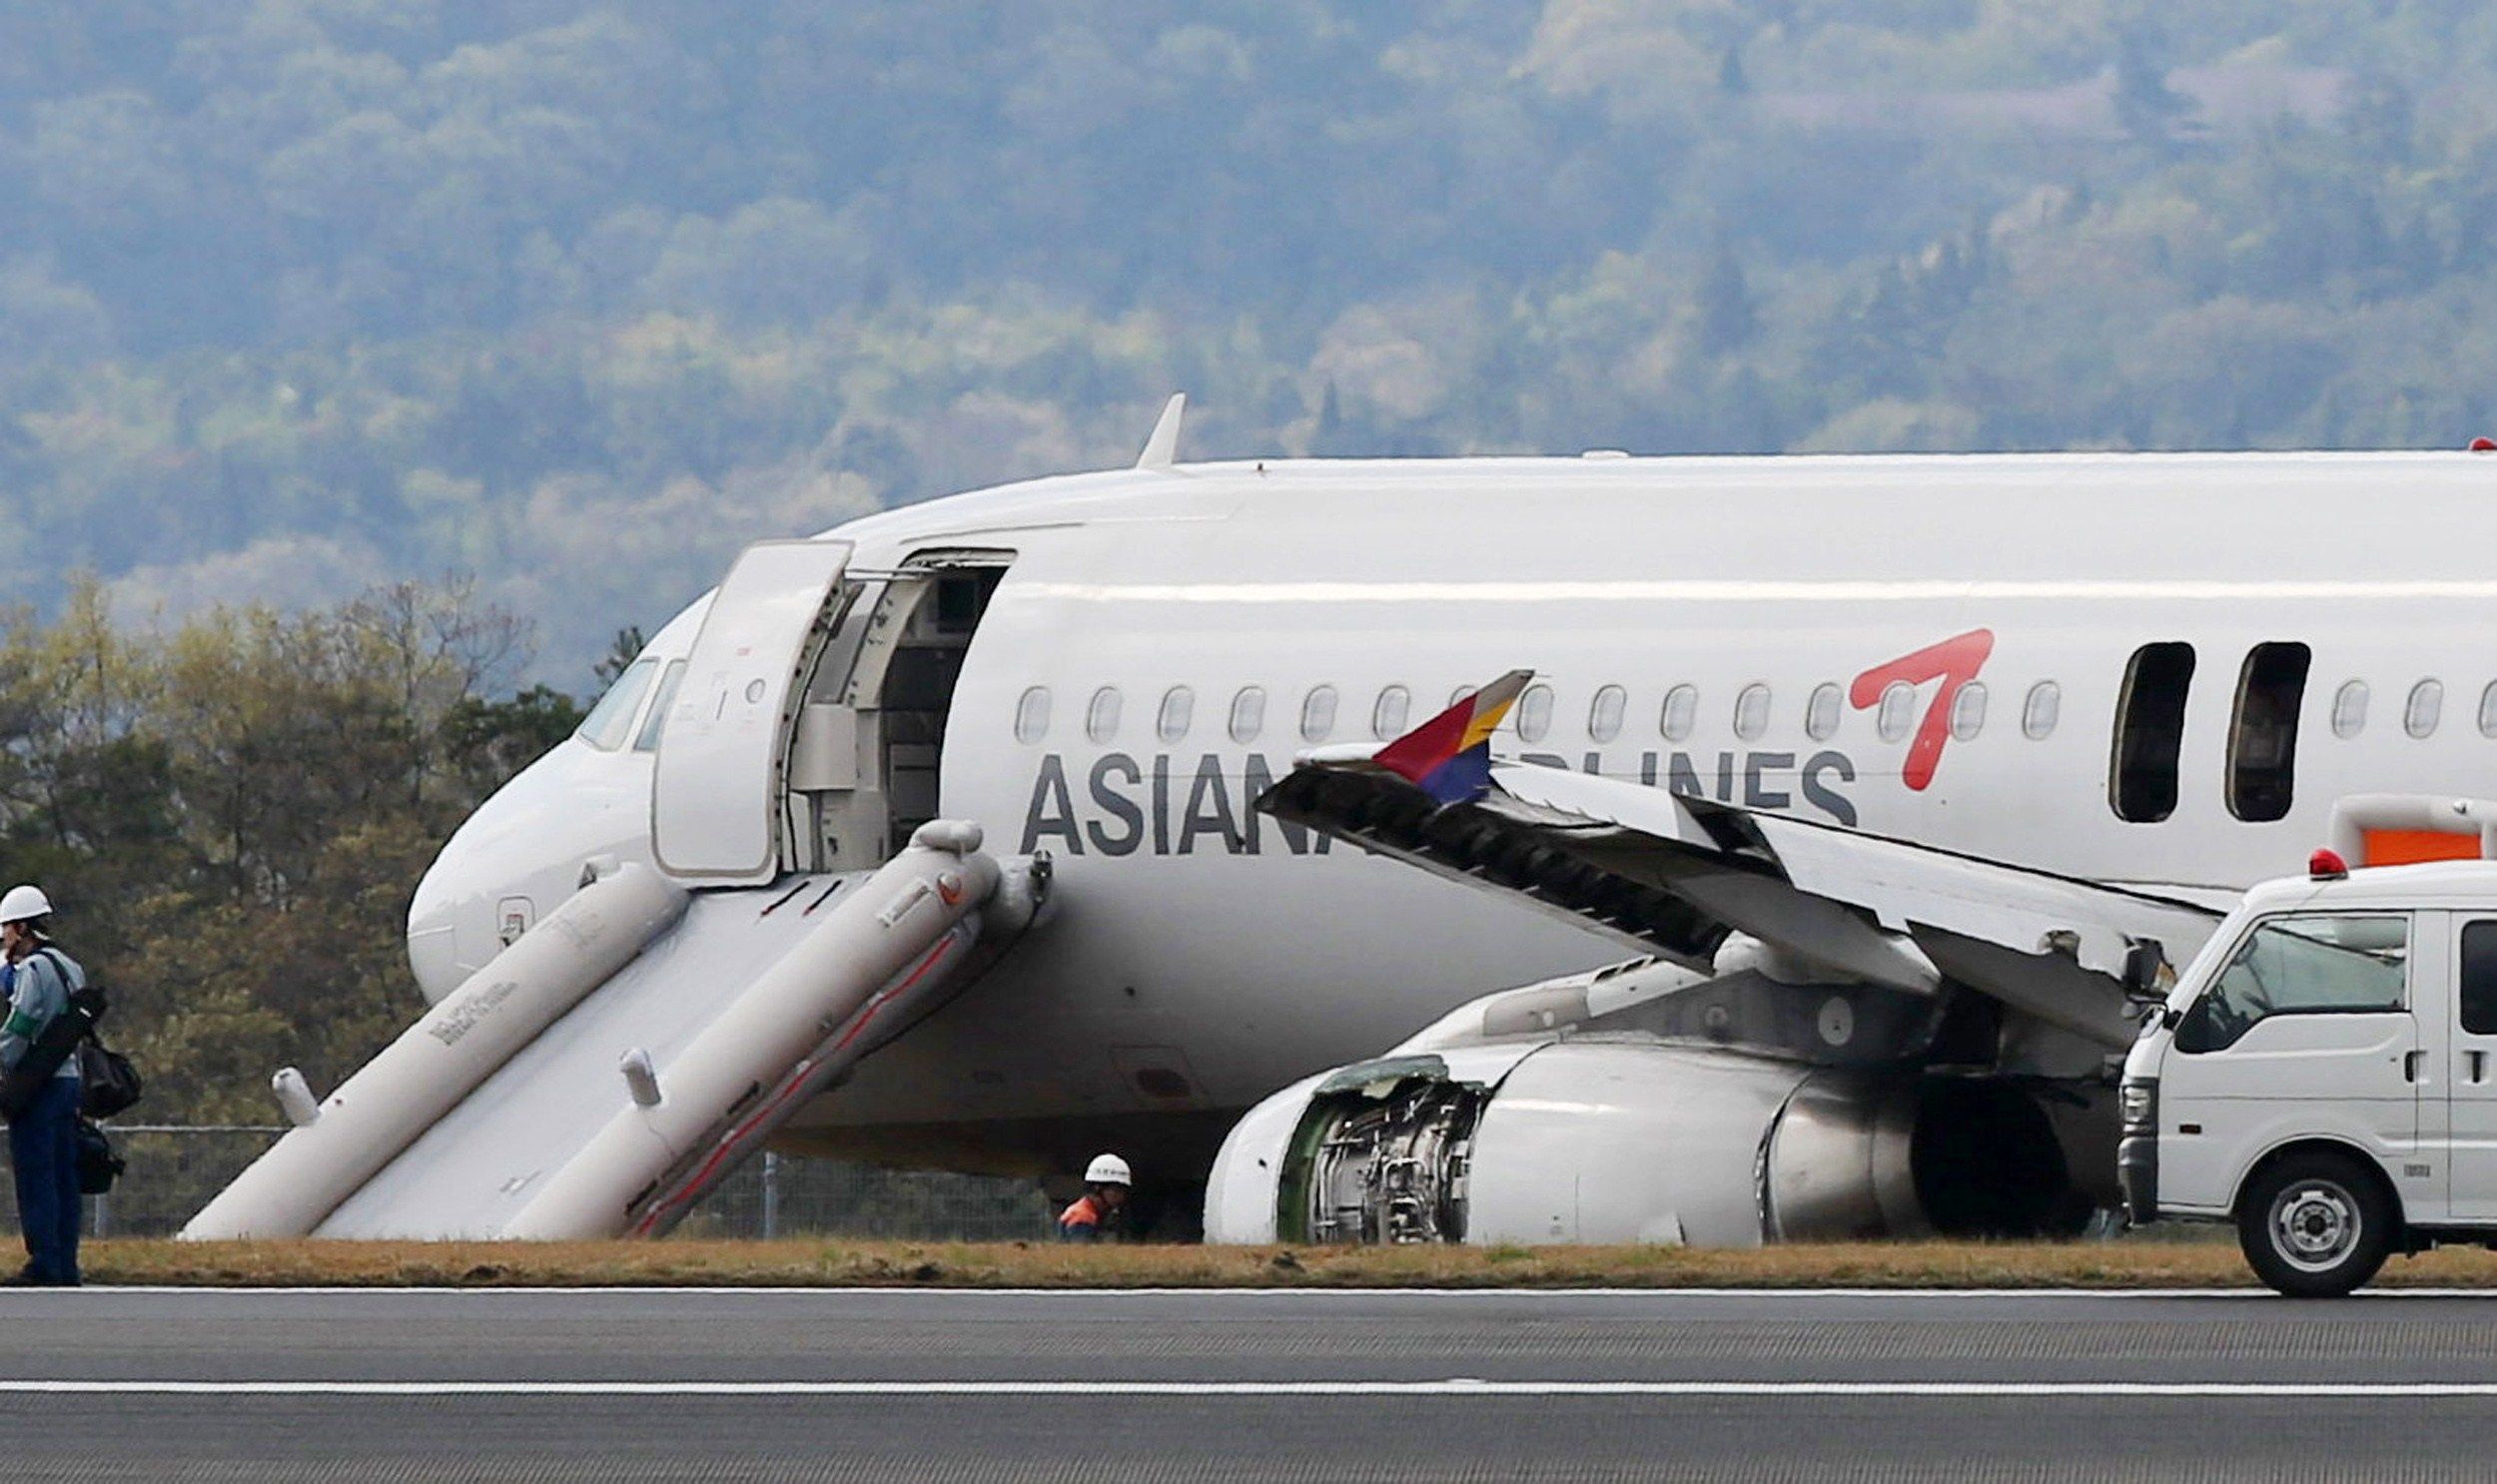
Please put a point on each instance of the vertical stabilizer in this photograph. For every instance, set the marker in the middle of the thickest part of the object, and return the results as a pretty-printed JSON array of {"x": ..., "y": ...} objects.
[{"x": 1163, "y": 449}]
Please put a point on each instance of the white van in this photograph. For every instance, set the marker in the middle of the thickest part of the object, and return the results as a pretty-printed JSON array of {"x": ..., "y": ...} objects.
[{"x": 2325, "y": 1074}]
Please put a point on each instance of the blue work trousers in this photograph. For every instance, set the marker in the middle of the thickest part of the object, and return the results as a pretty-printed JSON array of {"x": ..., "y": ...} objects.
[{"x": 43, "y": 1151}]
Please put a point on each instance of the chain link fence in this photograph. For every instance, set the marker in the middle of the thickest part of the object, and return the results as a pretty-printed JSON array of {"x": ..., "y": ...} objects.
[
  {"x": 175, "y": 1169},
  {"x": 779, "y": 1197}
]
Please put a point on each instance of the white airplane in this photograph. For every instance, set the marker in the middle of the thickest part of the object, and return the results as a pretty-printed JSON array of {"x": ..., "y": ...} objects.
[{"x": 1882, "y": 765}]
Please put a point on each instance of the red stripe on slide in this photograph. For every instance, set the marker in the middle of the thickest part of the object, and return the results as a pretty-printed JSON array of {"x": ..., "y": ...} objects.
[{"x": 708, "y": 1171}]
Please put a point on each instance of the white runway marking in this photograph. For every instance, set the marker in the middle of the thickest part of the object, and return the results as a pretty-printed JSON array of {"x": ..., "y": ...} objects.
[
  {"x": 1459, "y": 1386},
  {"x": 618, "y": 1290}
]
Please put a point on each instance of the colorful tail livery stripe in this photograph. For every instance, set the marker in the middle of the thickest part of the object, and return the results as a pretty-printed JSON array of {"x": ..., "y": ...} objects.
[{"x": 1449, "y": 756}]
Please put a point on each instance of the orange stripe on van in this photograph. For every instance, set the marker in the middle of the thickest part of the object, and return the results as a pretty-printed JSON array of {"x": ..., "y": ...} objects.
[{"x": 2409, "y": 847}]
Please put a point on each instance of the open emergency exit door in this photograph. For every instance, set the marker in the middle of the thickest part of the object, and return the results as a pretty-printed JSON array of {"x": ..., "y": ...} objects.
[{"x": 723, "y": 757}]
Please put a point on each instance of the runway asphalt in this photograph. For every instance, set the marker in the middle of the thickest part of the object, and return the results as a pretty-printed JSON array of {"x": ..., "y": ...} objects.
[{"x": 727, "y": 1384}]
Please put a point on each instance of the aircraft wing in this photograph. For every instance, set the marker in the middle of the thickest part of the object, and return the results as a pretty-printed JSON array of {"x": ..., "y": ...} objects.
[{"x": 1675, "y": 876}]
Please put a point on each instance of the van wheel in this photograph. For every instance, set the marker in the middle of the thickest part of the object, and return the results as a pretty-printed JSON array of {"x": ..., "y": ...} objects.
[{"x": 2316, "y": 1224}]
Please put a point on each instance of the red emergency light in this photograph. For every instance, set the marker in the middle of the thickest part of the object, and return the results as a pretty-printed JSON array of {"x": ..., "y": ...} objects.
[
  {"x": 2327, "y": 865},
  {"x": 2484, "y": 444}
]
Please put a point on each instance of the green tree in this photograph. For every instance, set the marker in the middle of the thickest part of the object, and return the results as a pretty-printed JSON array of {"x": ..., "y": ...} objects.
[
  {"x": 233, "y": 811},
  {"x": 621, "y": 653}
]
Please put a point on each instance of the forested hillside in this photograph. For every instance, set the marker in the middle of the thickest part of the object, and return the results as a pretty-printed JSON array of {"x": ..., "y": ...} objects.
[
  {"x": 302, "y": 295},
  {"x": 230, "y": 815}
]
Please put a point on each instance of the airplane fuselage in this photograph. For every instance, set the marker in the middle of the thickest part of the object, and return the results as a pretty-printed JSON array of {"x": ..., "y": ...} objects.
[{"x": 1977, "y": 652}]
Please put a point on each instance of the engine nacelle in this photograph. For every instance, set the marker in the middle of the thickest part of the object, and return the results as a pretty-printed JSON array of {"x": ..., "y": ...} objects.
[{"x": 1599, "y": 1140}]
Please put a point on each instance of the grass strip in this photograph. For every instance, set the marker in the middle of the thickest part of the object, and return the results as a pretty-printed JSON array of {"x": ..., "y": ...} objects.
[{"x": 839, "y": 1263}]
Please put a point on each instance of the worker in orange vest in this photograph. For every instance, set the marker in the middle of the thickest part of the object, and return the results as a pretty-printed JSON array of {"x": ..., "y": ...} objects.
[{"x": 1101, "y": 1210}]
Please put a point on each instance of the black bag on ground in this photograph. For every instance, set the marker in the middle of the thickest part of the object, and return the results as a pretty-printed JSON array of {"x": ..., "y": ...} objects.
[
  {"x": 55, "y": 1042},
  {"x": 107, "y": 1081},
  {"x": 98, "y": 1166}
]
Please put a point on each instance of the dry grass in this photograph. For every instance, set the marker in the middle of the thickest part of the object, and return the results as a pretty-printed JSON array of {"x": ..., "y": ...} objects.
[{"x": 832, "y": 1264}]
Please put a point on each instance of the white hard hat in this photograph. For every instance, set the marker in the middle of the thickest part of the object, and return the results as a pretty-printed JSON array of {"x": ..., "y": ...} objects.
[
  {"x": 23, "y": 901},
  {"x": 1107, "y": 1170}
]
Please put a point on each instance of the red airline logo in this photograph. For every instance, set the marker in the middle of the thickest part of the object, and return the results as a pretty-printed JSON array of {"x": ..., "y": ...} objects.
[{"x": 1954, "y": 662}]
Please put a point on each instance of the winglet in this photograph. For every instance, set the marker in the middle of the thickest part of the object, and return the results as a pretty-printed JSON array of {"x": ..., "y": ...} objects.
[
  {"x": 1163, "y": 449},
  {"x": 1449, "y": 756}
]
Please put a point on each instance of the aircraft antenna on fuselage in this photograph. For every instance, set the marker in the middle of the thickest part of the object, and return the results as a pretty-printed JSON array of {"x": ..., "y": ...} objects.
[{"x": 1163, "y": 449}]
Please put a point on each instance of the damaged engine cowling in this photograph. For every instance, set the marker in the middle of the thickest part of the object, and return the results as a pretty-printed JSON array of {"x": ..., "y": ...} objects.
[{"x": 1634, "y": 1140}]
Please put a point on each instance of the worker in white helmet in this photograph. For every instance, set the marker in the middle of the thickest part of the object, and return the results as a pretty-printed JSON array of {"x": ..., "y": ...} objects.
[
  {"x": 1101, "y": 1211},
  {"x": 42, "y": 1138}
]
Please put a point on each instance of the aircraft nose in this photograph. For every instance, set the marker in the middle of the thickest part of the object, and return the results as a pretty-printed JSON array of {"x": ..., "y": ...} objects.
[
  {"x": 521, "y": 854},
  {"x": 434, "y": 936},
  {"x": 496, "y": 855},
  {"x": 451, "y": 920}
]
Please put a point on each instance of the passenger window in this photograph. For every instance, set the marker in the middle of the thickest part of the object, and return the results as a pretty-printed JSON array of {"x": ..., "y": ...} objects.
[
  {"x": 1821, "y": 713},
  {"x": 2349, "y": 709},
  {"x": 1318, "y": 715},
  {"x": 2042, "y": 710},
  {"x": 2479, "y": 978},
  {"x": 1897, "y": 711},
  {"x": 1178, "y": 708},
  {"x": 1967, "y": 711},
  {"x": 1031, "y": 715},
  {"x": 1247, "y": 713},
  {"x": 2304, "y": 964},
  {"x": 1534, "y": 713},
  {"x": 2262, "y": 739},
  {"x": 656, "y": 722},
  {"x": 2424, "y": 709},
  {"x": 1751, "y": 713},
  {"x": 610, "y": 721},
  {"x": 2149, "y": 732},
  {"x": 1100, "y": 719},
  {"x": 1681, "y": 712},
  {"x": 2488, "y": 710},
  {"x": 1605, "y": 712},
  {"x": 1394, "y": 708}
]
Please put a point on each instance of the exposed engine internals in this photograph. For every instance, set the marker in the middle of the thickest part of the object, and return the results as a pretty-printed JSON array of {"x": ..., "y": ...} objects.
[
  {"x": 1392, "y": 1154},
  {"x": 1394, "y": 1170}
]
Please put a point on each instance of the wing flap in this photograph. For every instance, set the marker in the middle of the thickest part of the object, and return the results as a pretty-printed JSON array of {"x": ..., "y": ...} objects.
[{"x": 1676, "y": 875}]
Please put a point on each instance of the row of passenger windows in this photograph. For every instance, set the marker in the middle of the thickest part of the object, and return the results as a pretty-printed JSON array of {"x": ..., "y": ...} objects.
[
  {"x": 1894, "y": 713},
  {"x": 2149, "y": 724},
  {"x": 2155, "y": 684},
  {"x": 2421, "y": 710},
  {"x": 2263, "y": 736}
]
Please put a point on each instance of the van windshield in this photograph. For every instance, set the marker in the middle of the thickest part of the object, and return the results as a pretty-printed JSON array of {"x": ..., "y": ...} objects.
[{"x": 2308, "y": 964}]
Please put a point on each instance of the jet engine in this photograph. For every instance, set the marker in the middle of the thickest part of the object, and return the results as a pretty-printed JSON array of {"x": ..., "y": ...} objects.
[{"x": 1639, "y": 1139}]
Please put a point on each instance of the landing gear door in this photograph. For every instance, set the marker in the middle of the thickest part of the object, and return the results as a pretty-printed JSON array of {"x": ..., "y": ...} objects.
[{"x": 716, "y": 789}]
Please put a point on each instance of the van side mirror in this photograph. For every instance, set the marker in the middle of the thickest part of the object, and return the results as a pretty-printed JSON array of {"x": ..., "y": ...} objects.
[{"x": 2144, "y": 961}]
